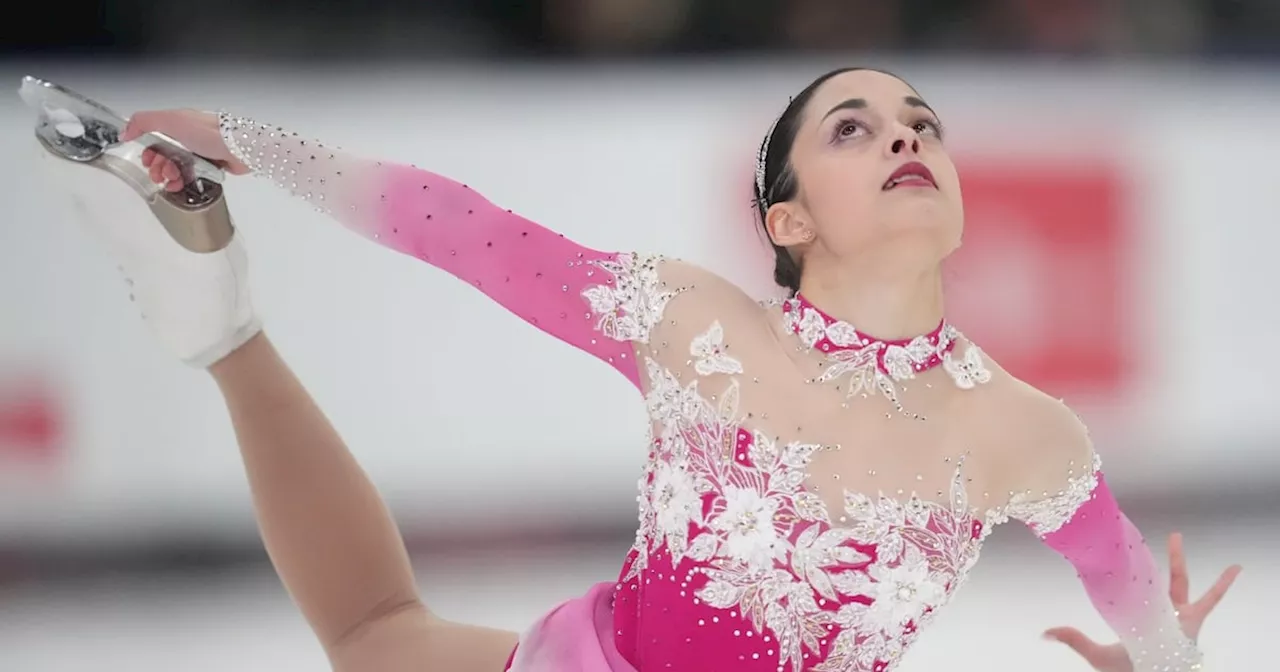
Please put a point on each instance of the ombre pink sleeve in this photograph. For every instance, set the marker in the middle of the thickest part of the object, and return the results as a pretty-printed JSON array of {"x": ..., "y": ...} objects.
[
  {"x": 599, "y": 302},
  {"x": 1085, "y": 525}
]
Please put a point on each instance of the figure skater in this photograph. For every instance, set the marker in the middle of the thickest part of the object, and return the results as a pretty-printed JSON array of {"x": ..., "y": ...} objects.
[{"x": 822, "y": 470}]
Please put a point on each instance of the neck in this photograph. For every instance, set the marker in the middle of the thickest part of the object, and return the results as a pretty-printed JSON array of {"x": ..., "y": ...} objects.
[{"x": 884, "y": 306}]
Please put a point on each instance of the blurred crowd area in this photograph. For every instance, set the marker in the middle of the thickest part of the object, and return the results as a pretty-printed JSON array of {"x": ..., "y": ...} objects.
[{"x": 302, "y": 29}]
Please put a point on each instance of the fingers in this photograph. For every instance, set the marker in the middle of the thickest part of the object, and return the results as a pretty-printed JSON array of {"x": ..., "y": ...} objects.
[
  {"x": 1179, "y": 581},
  {"x": 1076, "y": 640},
  {"x": 162, "y": 171},
  {"x": 197, "y": 132},
  {"x": 157, "y": 169},
  {"x": 1219, "y": 590},
  {"x": 146, "y": 122}
]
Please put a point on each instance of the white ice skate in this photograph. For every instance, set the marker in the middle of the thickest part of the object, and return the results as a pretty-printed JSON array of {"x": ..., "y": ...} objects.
[{"x": 185, "y": 265}]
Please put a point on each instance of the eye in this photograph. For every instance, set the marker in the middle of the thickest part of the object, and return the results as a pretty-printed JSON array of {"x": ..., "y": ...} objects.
[
  {"x": 847, "y": 129},
  {"x": 927, "y": 127}
]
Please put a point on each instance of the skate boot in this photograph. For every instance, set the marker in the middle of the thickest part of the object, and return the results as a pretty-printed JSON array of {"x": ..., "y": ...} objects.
[{"x": 179, "y": 252}]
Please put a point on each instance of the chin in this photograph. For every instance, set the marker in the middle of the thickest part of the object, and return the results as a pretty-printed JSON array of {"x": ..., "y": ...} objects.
[
  {"x": 925, "y": 216},
  {"x": 936, "y": 236}
]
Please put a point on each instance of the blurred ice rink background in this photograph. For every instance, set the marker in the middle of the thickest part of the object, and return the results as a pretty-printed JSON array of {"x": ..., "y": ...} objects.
[{"x": 1122, "y": 235}]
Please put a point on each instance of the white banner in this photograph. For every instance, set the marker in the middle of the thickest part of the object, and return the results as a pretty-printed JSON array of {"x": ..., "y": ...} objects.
[{"x": 1119, "y": 252}]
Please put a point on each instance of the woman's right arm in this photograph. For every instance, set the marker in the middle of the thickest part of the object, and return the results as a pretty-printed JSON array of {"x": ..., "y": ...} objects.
[{"x": 604, "y": 303}]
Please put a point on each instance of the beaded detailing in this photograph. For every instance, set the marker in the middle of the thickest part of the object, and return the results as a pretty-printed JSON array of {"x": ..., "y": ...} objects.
[
  {"x": 630, "y": 303},
  {"x": 257, "y": 146},
  {"x": 875, "y": 366},
  {"x": 229, "y": 126},
  {"x": 269, "y": 151},
  {"x": 898, "y": 359},
  {"x": 1047, "y": 515},
  {"x": 847, "y": 598}
]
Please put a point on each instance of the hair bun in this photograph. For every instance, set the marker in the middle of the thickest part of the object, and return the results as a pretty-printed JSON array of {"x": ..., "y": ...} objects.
[{"x": 786, "y": 272}]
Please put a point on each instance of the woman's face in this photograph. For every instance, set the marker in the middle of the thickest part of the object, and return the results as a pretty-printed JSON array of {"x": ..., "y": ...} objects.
[{"x": 859, "y": 130}]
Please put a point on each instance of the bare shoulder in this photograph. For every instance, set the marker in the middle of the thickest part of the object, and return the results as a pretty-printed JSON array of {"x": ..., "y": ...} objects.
[
  {"x": 702, "y": 288},
  {"x": 700, "y": 300},
  {"x": 1041, "y": 439},
  {"x": 708, "y": 327}
]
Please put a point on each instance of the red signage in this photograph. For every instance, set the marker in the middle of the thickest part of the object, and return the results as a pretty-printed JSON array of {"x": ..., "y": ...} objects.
[
  {"x": 1042, "y": 280},
  {"x": 31, "y": 423}
]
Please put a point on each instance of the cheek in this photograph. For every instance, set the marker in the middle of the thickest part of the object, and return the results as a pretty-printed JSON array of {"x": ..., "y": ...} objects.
[
  {"x": 845, "y": 211},
  {"x": 842, "y": 199},
  {"x": 948, "y": 177},
  {"x": 845, "y": 194},
  {"x": 849, "y": 221}
]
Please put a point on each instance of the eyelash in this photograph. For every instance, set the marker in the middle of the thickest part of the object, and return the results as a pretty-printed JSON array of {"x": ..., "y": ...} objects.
[{"x": 936, "y": 126}]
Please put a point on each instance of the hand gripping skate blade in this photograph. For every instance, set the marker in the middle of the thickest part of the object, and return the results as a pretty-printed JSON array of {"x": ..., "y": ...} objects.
[
  {"x": 196, "y": 304},
  {"x": 81, "y": 131}
]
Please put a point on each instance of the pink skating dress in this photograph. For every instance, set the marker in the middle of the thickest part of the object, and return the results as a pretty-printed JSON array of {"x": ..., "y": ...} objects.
[{"x": 812, "y": 495}]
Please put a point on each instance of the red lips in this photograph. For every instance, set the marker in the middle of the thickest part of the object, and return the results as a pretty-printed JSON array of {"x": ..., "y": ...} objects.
[{"x": 914, "y": 174}]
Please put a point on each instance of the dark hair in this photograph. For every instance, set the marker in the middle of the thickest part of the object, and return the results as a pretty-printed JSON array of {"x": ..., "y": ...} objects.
[{"x": 780, "y": 183}]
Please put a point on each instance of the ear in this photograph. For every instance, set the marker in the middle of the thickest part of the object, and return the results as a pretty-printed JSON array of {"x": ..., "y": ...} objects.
[{"x": 788, "y": 225}]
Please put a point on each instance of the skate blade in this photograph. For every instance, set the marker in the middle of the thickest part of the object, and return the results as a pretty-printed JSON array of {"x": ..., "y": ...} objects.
[
  {"x": 119, "y": 188},
  {"x": 83, "y": 129}
]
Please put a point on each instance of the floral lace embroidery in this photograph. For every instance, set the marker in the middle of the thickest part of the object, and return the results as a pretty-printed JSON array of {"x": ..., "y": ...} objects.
[
  {"x": 899, "y": 360},
  {"x": 875, "y": 367},
  {"x": 631, "y": 304},
  {"x": 766, "y": 545},
  {"x": 1047, "y": 515}
]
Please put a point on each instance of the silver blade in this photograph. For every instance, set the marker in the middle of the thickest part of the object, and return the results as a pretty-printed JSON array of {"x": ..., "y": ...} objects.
[{"x": 77, "y": 117}]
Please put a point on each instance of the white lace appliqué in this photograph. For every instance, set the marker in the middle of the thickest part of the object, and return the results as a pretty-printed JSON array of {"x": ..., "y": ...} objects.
[
  {"x": 1047, "y": 515},
  {"x": 859, "y": 361},
  {"x": 631, "y": 305},
  {"x": 969, "y": 370},
  {"x": 710, "y": 355},
  {"x": 768, "y": 549}
]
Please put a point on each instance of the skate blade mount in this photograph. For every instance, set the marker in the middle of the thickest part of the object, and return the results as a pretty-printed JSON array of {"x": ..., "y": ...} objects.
[{"x": 79, "y": 129}]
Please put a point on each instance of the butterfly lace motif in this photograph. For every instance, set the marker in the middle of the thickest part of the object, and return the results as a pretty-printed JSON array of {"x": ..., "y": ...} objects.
[
  {"x": 710, "y": 354},
  {"x": 969, "y": 370}
]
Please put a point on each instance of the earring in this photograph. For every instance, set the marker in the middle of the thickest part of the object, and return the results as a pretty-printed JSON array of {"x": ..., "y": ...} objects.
[{"x": 807, "y": 236}]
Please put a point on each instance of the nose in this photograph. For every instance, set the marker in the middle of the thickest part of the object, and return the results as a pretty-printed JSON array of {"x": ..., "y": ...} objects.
[{"x": 903, "y": 141}]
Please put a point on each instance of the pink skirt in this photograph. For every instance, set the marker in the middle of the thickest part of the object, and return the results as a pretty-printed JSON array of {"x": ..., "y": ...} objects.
[{"x": 576, "y": 636}]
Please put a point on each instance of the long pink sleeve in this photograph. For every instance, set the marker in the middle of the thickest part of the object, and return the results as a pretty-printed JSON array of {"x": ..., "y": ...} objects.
[
  {"x": 596, "y": 301},
  {"x": 1086, "y": 526}
]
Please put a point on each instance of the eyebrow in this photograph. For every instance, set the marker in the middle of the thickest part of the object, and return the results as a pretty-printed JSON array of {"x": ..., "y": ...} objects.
[
  {"x": 915, "y": 101},
  {"x": 861, "y": 104}
]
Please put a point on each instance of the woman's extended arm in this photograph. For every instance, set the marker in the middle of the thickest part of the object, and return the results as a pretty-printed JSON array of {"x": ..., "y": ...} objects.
[
  {"x": 1084, "y": 524},
  {"x": 599, "y": 302},
  {"x": 1124, "y": 583}
]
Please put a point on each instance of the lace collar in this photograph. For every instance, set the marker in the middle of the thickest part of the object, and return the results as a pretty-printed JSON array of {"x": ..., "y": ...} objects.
[
  {"x": 868, "y": 365},
  {"x": 899, "y": 359}
]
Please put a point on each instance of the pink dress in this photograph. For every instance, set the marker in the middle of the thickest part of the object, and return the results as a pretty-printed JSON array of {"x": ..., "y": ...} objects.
[{"x": 812, "y": 495}]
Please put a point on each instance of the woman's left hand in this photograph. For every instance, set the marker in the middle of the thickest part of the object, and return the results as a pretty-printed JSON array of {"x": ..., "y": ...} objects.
[
  {"x": 197, "y": 131},
  {"x": 1113, "y": 657}
]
